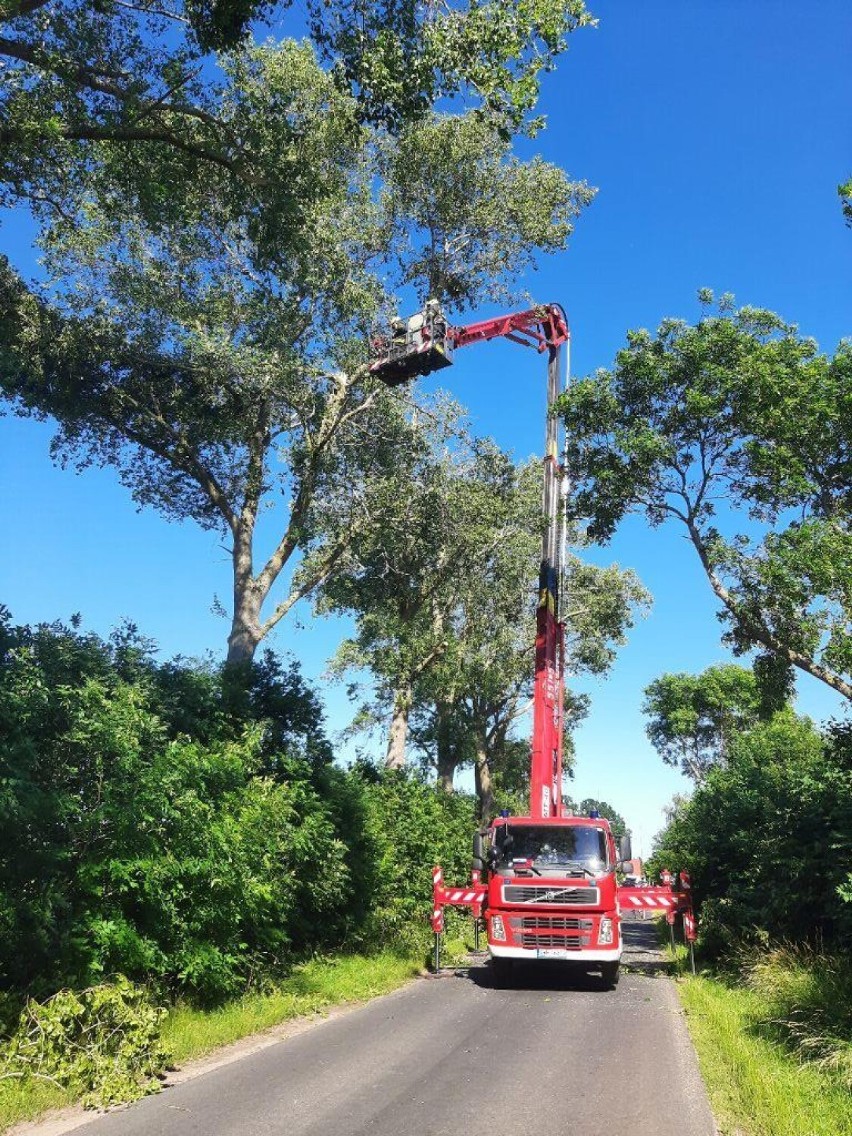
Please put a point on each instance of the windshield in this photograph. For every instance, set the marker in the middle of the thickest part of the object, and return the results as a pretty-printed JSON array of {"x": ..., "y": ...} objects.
[{"x": 568, "y": 850}]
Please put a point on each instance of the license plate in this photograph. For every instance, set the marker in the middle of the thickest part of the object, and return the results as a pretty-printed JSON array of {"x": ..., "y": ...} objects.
[{"x": 552, "y": 953}]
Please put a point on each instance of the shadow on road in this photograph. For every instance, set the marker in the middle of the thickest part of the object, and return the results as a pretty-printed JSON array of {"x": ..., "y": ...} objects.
[{"x": 535, "y": 976}]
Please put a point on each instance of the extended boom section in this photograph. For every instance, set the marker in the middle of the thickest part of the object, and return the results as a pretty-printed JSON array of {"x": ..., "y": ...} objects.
[{"x": 549, "y": 683}]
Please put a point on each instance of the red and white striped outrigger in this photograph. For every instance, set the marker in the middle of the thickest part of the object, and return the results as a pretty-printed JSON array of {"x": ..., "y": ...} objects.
[
  {"x": 674, "y": 900},
  {"x": 473, "y": 897}
]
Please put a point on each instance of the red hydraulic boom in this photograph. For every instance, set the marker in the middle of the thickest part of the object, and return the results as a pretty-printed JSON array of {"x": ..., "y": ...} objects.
[
  {"x": 532, "y": 903},
  {"x": 425, "y": 342}
]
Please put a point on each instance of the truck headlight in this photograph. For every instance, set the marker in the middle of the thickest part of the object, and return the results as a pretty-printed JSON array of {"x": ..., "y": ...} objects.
[
  {"x": 498, "y": 931},
  {"x": 605, "y": 932}
]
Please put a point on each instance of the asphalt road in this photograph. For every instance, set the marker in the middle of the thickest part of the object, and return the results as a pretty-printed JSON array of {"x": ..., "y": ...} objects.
[{"x": 454, "y": 1057}]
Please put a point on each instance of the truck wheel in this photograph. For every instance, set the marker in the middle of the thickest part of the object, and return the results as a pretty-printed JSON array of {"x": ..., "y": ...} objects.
[
  {"x": 501, "y": 973},
  {"x": 609, "y": 975}
]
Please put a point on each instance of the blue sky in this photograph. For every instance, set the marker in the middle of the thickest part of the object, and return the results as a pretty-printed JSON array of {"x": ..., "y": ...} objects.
[{"x": 717, "y": 134}]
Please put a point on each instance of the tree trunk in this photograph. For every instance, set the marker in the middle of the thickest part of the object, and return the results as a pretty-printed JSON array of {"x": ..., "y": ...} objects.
[
  {"x": 482, "y": 780},
  {"x": 447, "y": 753},
  {"x": 245, "y": 633},
  {"x": 446, "y": 773},
  {"x": 245, "y": 625},
  {"x": 395, "y": 756}
]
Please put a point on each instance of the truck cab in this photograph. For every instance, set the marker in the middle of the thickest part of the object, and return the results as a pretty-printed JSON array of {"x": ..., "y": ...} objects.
[{"x": 551, "y": 893}]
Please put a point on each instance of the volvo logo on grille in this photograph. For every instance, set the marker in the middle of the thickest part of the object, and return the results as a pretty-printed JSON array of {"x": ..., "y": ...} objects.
[{"x": 514, "y": 893}]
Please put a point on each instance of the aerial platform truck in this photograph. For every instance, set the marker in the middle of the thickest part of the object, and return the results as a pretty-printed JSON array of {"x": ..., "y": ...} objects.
[{"x": 544, "y": 885}]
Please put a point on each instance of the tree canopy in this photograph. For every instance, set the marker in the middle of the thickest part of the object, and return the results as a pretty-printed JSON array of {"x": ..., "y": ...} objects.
[
  {"x": 693, "y": 719},
  {"x": 124, "y": 99},
  {"x": 442, "y": 590},
  {"x": 209, "y": 337},
  {"x": 737, "y": 428}
]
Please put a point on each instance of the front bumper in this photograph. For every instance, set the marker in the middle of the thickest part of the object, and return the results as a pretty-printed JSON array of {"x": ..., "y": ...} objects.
[
  {"x": 582, "y": 936},
  {"x": 596, "y": 954}
]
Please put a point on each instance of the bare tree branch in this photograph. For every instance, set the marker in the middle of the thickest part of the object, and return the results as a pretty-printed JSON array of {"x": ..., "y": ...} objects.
[
  {"x": 757, "y": 628},
  {"x": 146, "y": 10}
]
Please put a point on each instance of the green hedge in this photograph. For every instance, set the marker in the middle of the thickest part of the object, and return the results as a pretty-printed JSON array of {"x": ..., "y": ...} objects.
[{"x": 185, "y": 826}]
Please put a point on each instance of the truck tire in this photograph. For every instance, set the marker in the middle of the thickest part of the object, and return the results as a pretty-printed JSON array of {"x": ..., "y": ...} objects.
[
  {"x": 609, "y": 975},
  {"x": 501, "y": 973}
]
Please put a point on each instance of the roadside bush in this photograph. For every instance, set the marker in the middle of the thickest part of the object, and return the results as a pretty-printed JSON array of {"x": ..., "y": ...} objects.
[
  {"x": 411, "y": 828},
  {"x": 727, "y": 928},
  {"x": 129, "y": 847},
  {"x": 215, "y": 875},
  {"x": 184, "y": 826},
  {"x": 768, "y": 840}
]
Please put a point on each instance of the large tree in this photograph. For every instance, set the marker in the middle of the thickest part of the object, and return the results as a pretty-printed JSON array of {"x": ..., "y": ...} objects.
[
  {"x": 209, "y": 379},
  {"x": 437, "y": 515},
  {"x": 737, "y": 429},
  {"x": 445, "y": 610},
  {"x": 219, "y": 359}
]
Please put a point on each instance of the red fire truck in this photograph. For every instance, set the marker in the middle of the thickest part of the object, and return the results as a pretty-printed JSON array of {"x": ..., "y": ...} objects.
[{"x": 544, "y": 884}]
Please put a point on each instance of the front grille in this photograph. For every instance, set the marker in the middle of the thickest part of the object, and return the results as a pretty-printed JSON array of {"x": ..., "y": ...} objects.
[
  {"x": 551, "y": 923},
  {"x": 561, "y": 942},
  {"x": 564, "y": 932},
  {"x": 538, "y": 893}
]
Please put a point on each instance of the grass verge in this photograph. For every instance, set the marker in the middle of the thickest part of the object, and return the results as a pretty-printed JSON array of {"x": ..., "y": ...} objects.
[
  {"x": 27, "y": 1100},
  {"x": 758, "y": 1085},
  {"x": 188, "y": 1033}
]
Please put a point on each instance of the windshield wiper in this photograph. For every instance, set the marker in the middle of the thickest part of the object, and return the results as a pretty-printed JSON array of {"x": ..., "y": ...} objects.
[
  {"x": 527, "y": 866},
  {"x": 582, "y": 868}
]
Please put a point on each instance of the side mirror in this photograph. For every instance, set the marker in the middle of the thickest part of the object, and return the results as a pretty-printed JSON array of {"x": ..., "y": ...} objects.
[
  {"x": 625, "y": 850},
  {"x": 478, "y": 853}
]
